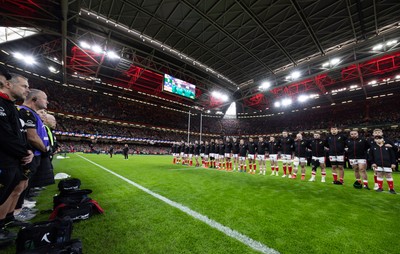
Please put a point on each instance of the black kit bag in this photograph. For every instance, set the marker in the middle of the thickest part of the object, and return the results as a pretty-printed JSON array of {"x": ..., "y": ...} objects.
[
  {"x": 69, "y": 184},
  {"x": 71, "y": 247},
  {"x": 44, "y": 233},
  {"x": 71, "y": 197}
]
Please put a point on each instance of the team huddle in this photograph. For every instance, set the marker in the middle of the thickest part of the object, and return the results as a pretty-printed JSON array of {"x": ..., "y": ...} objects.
[{"x": 236, "y": 154}]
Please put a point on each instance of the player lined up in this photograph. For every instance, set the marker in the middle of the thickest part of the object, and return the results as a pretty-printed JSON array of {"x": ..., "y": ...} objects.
[{"x": 234, "y": 155}]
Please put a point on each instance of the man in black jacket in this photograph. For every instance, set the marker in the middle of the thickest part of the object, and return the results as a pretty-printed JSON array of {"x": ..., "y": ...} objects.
[
  {"x": 336, "y": 144},
  {"x": 13, "y": 147}
]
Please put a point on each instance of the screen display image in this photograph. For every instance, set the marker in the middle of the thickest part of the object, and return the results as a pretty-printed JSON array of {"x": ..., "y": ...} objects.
[{"x": 179, "y": 87}]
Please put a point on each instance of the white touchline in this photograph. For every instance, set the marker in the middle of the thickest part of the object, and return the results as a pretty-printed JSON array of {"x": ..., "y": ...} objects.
[{"x": 212, "y": 223}]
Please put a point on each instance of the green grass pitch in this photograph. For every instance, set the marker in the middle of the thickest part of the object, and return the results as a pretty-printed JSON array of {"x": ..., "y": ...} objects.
[{"x": 290, "y": 216}]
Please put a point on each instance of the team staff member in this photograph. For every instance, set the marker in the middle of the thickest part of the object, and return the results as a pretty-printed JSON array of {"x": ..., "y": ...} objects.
[
  {"x": 37, "y": 139},
  {"x": 202, "y": 153},
  {"x": 336, "y": 144},
  {"x": 383, "y": 161},
  {"x": 300, "y": 152},
  {"x": 221, "y": 155},
  {"x": 13, "y": 147},
  {"x": 272, "y": 151},
  {"x": 357, "y": 153},
  {"x": 318, "y": 157},
  {"x": 212, "y": 153},
  {"x": 207, "y": 149},
  {"x": 197, "y": 152},
  {"x": 125, "y": 151},
  {"x": 251, "y": 156},
  {"x": 286, "y": 145}
]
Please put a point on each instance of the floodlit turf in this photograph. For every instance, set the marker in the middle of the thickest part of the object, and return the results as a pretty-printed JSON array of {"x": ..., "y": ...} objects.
[{"x": 290, "y": 216}]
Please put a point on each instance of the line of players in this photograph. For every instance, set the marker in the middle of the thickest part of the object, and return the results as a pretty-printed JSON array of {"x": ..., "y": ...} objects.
[{"x": 231, "y": 155}]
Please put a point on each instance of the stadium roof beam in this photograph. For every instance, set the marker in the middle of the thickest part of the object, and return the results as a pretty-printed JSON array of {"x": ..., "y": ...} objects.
[
  {"x": 351, "y": 20},
  {"x": 265, "y": 30},
  {"x": 219, "y": 28},
  {"x": 360, "y": 75},
  {"x": 299, "y": 11},
  {"x": 183, "y": 34},
  {"x": 64, "y": 27}
]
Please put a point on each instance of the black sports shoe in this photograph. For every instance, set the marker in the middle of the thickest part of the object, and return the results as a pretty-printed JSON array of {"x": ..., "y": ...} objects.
[
  {"x": 6, "y": 235},
  {"x": 366, "y": 187},
  {"x": 379, "y": 190},
  {"x": 337, "y": 182},
  {"x": 392, "y": 191}
]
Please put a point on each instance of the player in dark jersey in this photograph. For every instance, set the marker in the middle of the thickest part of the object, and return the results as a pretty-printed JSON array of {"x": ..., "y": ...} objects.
[
  {"x": 251, "y": 156},
  {"x": 357, "y": 153},
  {"x": 182, "y": 153},
  {"x": 174, "y": 151},
  {"x": 202, "y": 152},
  {"x": 318, "y": 157},
  {"x": 273, "y": 150},
  {"x": 261, "y": 151},
  {"x": 186, "y": 153},
  {"x": 243, "y": 149},
  {"x": 207, "y": 149},
  {"x": 383, "y": 161},
  {"x": 228, "y": 154},
  {"x": 191, "y": 153},
  {"x": 212, "y": 153},
  {"x": 196, "y": 149},
  {"x": 286, "y": 145},
  {"x": 221, "y": 155},
  {"x": 235, "y": 154},
  {"x": 336, "y": 143},
  {"x": 300, "y": 153},
  {"x": 111, "y": 151}
]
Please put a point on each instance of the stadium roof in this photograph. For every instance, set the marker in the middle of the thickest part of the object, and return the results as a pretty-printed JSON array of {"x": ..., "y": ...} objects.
[{"x": 292, "y": 47}]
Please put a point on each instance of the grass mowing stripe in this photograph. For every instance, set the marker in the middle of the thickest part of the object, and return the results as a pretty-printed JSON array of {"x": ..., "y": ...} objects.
[{"x": 226, "y": 230}]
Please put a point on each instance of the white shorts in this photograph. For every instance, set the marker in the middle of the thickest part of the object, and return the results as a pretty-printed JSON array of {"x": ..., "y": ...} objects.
[
  {"x": 202, "y": 155},
  {"x": 206, "y": 156},
  {"x": 235, "y": 155},
  {"x": 320, "y": 159},
  {"x": 174, "y": 154},
  {"x": 216, "y": 156},
  {"x": 182, "y": 154},
  {"x": 221, "y": 156},
  {"x": 358, "y": 161},
  {"x": 212, "y": 154},
  {"x": 339, "y": 158},
  {"x": 273, "y": 157},
  {"x": 251, "y": 156},
  {"x": 190, "y": 156},
  {"x": 298, "y": 160},
  {"x": 242, "y": 158},
  {"x": 383, "y": 169},
  {"x": 260, "y": 157},
  {"x": 227, "y": 155},
  {"x": 196, "y": 156},
  {"x": 286, "y": 157}
]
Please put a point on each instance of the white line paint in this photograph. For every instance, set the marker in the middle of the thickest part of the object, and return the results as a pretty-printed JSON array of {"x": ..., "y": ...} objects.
[{"x": 224, "y": 229}]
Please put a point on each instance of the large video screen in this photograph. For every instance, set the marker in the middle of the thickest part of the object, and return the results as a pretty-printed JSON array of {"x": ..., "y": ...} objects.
[{"x": 179, "y": 87}]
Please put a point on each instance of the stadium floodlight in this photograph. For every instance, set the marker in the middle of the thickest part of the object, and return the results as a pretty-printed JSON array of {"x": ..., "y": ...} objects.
[
  {"x": 372, "y": 82},
  {"x": 53, "y": 70},
  {"x": 397, "y": 77},
  {"x": 277, "y": 104},
  {"x": 295, "y": 75},
  {"x": 391, "y": 42},
  {"x": 303, "y": 98},
  {"x": 113, "y": 55},
  {"x": 18, "y": 55},
  {"x": 97, "y": 49},
  {"x": 216, "y": 94},
  {"x": 325, "y": 65},
  {"x": 264, "y": 85},
  {"x": 286, "y": 102},
  {"x": 334, "y": 61},
  {"x": 29, "y": 60},
  {"x": 85, "y": 45},
  {"x": 224, "y": 97},
  {"x": 378, "y": 47}
]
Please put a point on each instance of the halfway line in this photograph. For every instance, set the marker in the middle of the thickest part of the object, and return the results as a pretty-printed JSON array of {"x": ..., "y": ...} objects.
[{"x": 212, "y": 223}]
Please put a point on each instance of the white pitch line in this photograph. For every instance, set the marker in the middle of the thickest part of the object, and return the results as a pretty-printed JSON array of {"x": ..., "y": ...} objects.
[{"x": 212, "y": 223}]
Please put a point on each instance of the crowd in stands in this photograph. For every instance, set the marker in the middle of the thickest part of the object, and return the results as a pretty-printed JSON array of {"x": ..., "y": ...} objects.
[
  {"x": 104, "y": 148},
  {"x": 350, "y": 115}
]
